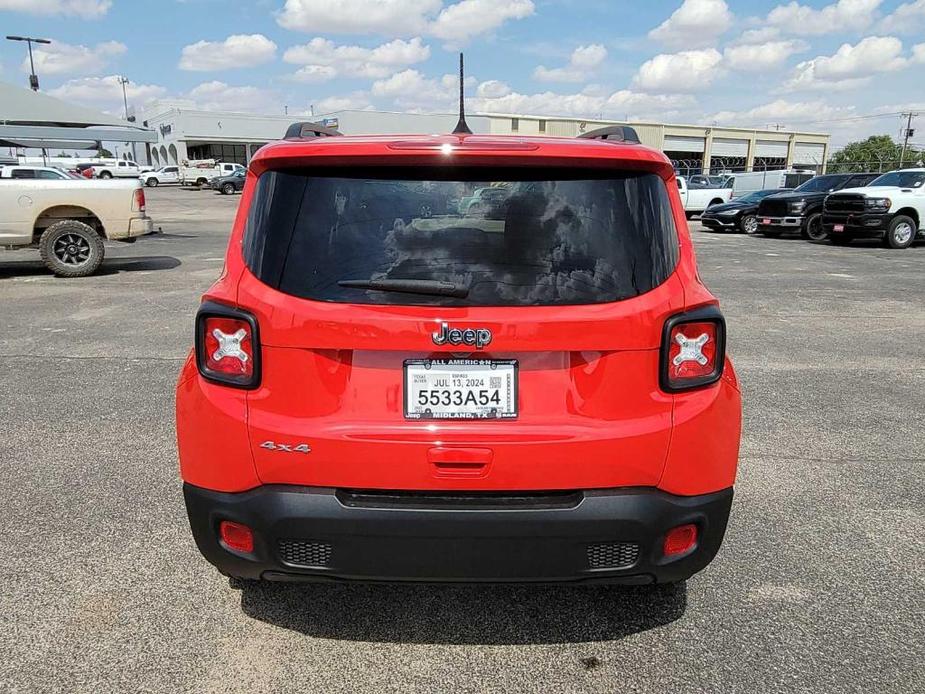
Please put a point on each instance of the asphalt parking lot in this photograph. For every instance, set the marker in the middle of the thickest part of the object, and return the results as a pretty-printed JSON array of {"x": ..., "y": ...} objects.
[{"x": 819, "y": 587}]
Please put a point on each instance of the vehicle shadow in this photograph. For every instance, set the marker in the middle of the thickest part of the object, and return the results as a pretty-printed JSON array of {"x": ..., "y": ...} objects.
[
  {"x": 110, "y": 266},
  {"x": 464, "y": 615}
]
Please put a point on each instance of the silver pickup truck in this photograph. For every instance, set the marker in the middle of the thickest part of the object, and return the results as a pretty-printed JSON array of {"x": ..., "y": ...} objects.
[{"x": 68, "y": 220}]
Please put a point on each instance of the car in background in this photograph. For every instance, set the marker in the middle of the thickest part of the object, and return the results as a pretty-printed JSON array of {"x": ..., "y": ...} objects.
[
  {"x": 738, "y": 214},
  {"x": 50, "y": 173},
  {"x": 696, "y": 200},
  {"x": 161, "y": 176},
  {"x": 750, "y": 181},
  {"x": 800, "y": 211},
  {"x": 121, "y": 168},
  {"x": 891, "y": 207},
  {"x": 228, "y": 185},
  {"x": 705, "y": 181},
  {"x": 482, "y": 200}
]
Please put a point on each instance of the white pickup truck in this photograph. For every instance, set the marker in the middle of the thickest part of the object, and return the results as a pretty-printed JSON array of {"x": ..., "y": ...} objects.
[
  {"x": 201, "y": 172},
  {"x": 68, "y": 220},
  {"x": 696, "y": 199},
  {"x": 118, "y": 169},
  {"x": 891, "y": 207}
]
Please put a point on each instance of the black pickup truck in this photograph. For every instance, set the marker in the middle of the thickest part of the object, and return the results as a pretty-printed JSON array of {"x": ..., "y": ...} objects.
[{"x": 801, "y": 210}]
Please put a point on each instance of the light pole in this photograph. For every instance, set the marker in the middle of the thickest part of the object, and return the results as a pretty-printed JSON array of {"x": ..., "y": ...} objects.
[
  {"x": 123, "y": 81},
  {"x": 33, "y": 78}
]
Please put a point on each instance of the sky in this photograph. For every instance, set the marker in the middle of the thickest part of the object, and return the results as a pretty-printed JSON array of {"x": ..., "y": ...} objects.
[{"x": 846, "y": 67}]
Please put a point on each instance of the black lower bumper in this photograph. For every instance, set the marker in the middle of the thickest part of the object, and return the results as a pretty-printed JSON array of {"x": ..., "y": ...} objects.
[
  {"x": 724, "y": 224},
  {"x": 312, "y": 534},
  {"x": 855, "y": 225}
]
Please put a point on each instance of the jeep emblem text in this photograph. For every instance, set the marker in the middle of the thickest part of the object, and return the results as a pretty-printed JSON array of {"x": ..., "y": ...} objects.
[{"x": 477, "y": 337}]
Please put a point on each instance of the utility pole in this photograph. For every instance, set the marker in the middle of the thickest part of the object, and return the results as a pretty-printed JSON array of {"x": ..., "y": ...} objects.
[
  {"x": 123, "y": 81},
  {"x": 909, "y": 133},
  {"x": 33, "y": 78}
]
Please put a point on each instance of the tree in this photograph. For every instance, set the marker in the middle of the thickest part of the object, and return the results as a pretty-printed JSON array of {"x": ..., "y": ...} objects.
[
  {"x": 876, "y": 153},
  {"x": 104, "y": 153}
]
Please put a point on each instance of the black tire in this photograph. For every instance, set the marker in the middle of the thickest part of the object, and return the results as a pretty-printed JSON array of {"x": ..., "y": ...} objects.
[
  {"x": 748, "y": 224},
  {"x": 812, "y": 229},
  {"x": 105, "y": 174},
  {"x": 152, "y": 182},
  {"x": 71, "y": 249},
  {"x": 228, "y": 189},
  {"x": 689, "y": 215},
  {"x": 842, "y": 239},
  {"x": 202, "y": 182},
  {"x": 901, "y": 232}
]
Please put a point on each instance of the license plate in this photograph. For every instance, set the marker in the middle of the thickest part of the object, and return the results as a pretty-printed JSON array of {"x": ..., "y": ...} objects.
[
  {"x": 765, "y": 221},
  {"x": 838, "y": 227},
  {"x": 460, "y": 389}
]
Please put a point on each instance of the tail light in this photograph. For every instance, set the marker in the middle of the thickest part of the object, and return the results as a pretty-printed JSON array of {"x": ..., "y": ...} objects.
[
  {"x": 138, "y": 201},
  {"x": 227, "y": 346},
  {"x": 236, "y": 536},
  {"x": 693, "y": 349}
]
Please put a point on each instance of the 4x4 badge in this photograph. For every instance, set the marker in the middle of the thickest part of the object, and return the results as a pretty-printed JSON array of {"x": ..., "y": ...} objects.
[{"x": 477, "y": 337}]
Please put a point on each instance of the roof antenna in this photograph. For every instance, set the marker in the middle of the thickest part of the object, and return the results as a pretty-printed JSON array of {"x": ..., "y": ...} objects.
[{"x": 461, "y": 127}]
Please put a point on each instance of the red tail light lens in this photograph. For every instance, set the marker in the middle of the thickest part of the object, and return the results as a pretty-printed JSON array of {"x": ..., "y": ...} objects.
[
  {"x": 693, "y": 349},
  {"x": 227, "y": 346},
  {"x": 236, "y": 536},
  {"x": 138, "y": 203},
  {"x": 680, "y": 540}
]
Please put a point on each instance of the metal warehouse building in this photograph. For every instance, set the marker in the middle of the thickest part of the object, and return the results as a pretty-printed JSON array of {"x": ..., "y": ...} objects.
[{"x": 234, "y": 137}]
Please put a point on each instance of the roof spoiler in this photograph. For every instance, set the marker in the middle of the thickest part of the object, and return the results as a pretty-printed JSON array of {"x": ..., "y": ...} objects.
[
  {"x": 617, "y": 133},
  {"x": 306, "y": 129}
]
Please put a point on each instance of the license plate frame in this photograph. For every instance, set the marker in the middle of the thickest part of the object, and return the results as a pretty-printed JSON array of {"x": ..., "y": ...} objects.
[{"x": 509, "y": 371}]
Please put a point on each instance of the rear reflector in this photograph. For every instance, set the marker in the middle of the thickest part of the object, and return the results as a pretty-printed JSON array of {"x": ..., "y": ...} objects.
[
  {"x": 693, "y": 349},
  {"x": 680, "y": 540},
  {"x": 227, "y": 346},
  {"x": 138, "y": 201},
  {"x": 236, "y": 536}
]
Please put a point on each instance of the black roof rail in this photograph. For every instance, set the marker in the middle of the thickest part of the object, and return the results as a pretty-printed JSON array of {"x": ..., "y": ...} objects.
[
  {"x": 618, "y": 133},
  {"x": 299, "y": 131}
]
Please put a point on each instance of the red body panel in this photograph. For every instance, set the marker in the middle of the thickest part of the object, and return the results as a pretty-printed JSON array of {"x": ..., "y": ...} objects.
[{"x": 591, "y": 413}]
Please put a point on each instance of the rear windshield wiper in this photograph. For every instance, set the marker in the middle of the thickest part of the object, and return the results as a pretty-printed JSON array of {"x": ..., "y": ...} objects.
[{"x": 431, "y": 287}]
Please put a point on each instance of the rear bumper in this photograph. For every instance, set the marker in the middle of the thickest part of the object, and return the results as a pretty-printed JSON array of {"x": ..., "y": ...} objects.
[
  {"x": 316, "y": 534},
  {"x": 856, "y": 224},
  {"x": 140, "y": 226}
]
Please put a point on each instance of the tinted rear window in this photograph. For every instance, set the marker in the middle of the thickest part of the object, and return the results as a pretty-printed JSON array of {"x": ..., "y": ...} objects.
[{"x": 514, "y": 238}]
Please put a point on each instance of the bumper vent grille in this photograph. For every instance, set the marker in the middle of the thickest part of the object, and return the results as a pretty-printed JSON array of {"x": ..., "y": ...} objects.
[
  {"x": 304, "y": 552},
  {"x": 612, "y": 555}
]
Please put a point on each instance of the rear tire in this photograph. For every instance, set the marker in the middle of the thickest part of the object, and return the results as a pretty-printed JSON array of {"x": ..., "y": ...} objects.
[
  {"x": 813, "y": 230},
  {"x": 71, "y": 249},
  {"x": 901, "y": 232},
  {"x": 105, "y": 174},
  {"x": 152, "y": 183},
  {"x": 748, "y": 224},
  {"x": 202, "y": 182}
]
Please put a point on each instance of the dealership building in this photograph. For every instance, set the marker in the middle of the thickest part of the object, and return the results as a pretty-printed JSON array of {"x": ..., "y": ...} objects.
[{"x": 184, "y": 133}]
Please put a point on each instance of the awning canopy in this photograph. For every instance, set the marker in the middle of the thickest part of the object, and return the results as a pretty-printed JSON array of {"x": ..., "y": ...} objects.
[{"x": 33, "y": 119}]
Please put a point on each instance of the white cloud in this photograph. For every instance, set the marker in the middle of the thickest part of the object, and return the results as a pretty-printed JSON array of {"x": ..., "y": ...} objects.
[
  {"x": 463, "y": 20},
  {"x": 760, "y": 35},
  {"x": 686, "y": 71},
  {"x": 761, "y": 57},
  {"x": 455, "y": 23},
  {"x": 64, "y": 59},
  {"x": 402, "y": 84},
  {"x": 86, "y": 9},
  {"x": 492, "y": 89},
  {"x": 918, "y": 53},
  {"x": 356, "y": 101},
  {"x": 324, "y": 60},
  {"x": 218, "y": 96},
  {"x": 782, "y": 111},
  {"x": 905, "y": 19},
  {"x": 839, "y": 17},
  {"x": 850, "y": 66},
  {"x": 236, "y": 52},
  {"x": 696, "y": 24},
  {"x": 584, "y": 60},
  {"x": 106, "y": 92}
]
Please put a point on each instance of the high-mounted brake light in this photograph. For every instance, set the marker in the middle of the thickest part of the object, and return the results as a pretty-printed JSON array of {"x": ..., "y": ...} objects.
[
  {"x": 227, "y": 346},
  {"x": 693, "y": 349},
  {"x": 138, "y": 201}
]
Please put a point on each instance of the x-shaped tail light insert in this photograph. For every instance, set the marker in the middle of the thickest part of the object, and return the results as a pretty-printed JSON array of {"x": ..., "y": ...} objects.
[
  {"x": 691, "y": 349},
  {"x": 229, "y": 345}
]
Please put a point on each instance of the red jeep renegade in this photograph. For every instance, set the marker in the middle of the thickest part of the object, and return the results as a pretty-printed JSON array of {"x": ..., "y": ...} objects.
[{"x": 459, "y": 358}]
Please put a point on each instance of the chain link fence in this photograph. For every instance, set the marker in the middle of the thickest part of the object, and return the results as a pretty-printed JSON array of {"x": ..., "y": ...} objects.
[{"x": 720, "y": 166}]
